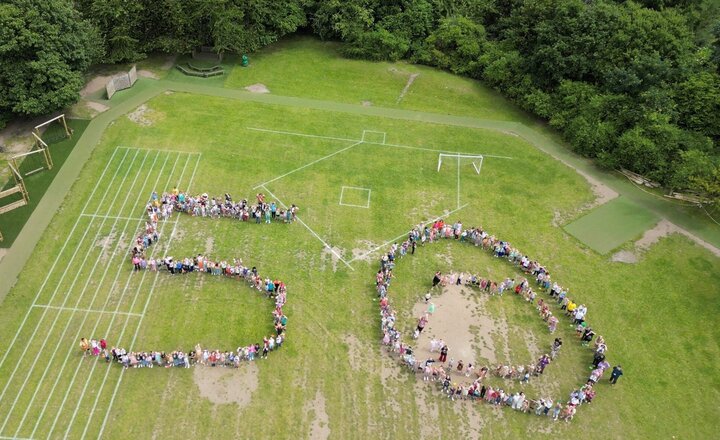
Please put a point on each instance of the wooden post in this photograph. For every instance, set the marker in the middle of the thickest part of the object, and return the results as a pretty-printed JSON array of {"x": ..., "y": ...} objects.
[
  {"x": 48, "y": 158},
  {"x": 67, "y": 130}
]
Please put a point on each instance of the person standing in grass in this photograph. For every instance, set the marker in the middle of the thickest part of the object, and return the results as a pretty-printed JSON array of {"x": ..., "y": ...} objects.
[{"x": 616, "y": 373}]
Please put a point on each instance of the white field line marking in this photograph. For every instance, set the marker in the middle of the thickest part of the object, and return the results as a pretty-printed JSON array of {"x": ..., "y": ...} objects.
[
  {"x": 342, "y": 193},
  {"x": 41, "y": 352},
  {"x": 69, "y": 350},
  {"x": 67, "y": 392},
  {"x": 311, "y": 231},
  {"x": 119, "y": 218},
  {"x": 315, "y": 136},
  {"x": 290, "y": 133},
  {"x": 360, "y": 257},
  {"x": 161, "y": 150},
  {"x": 407, "y": 87},
  {"x": 52, "y": 268},
  {"x": 2, "y": 437},
  {"x": 384, "y": 135},
  {"x": 137, "y": 331},
  {"x": 308, "y": 164},
  {"x": 83, "y": 310},
  {"x": 57, "y": 287}
]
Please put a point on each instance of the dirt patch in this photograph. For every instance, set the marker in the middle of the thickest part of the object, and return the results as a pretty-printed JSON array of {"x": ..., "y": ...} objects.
[
  {"x": 628, "y": 257},
  {"x": 665, "y": 228},
  {"x": 366, "y": 103},
  {"x": 145, "y": 116},
  {"x": 320, "y": 426},
  {"x": 334, "y": 254},
  {"x": 209, "y": 245},
  {"x": 96, "y": 106},
  {"x": 257, "y": 88},
  {"x": 459, "y": 320},
  {"x": 363, "y": 253},
  {"x": 356, "y": 352},
  {"x": 405, "y": 89},
  {"x": 147, "y": 74},
  {"x": 94, "y": 85},
  {"x": 227, "y": 385}
]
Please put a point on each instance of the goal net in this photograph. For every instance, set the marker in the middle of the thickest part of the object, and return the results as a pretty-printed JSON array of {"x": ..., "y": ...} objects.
[{"x": 475, "y": 160}]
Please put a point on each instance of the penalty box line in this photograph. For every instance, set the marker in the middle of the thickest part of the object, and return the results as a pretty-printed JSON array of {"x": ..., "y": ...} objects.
[
  {"x": 311, "y": 231},
  {"x": 360, "y": 257}
]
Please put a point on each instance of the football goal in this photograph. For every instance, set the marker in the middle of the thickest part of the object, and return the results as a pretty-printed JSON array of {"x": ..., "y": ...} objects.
[{"x": 475, "y": 160}]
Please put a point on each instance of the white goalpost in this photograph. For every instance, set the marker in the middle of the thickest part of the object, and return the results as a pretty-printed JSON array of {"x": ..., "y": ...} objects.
[{"x": 475, "y": 159}]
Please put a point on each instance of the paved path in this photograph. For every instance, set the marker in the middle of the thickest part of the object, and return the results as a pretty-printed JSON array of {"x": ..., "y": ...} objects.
[{"x": 689, "y": 218}]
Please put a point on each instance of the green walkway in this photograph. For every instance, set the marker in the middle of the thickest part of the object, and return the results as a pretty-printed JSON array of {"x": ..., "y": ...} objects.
[{"x": 688, "y": 218}]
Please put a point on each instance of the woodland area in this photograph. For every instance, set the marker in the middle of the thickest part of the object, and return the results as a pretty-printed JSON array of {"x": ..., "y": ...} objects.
[{"x": 630, "y": 84}]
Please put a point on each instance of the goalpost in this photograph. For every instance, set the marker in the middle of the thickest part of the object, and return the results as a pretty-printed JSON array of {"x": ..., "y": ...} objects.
[{"x": 475, "y": 159}]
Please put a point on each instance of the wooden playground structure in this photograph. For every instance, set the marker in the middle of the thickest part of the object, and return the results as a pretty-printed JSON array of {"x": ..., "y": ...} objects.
[{"x": 28, "y": 163}]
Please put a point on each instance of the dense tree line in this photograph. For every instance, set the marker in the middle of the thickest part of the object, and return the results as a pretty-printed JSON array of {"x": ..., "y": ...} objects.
[{"x": 630, "y": 84}]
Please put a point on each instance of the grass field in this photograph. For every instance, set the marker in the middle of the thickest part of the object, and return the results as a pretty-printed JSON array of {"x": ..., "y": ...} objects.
[{"x": 656, "y": 315}]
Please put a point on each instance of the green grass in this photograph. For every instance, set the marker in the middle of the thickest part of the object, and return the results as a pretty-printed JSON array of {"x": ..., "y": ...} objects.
[
  {"x": 612, "y": 224},
  {"x": 320, "y": 72},
  {"x": 656, "y": 315},
  {"x": 37, "y": 184}
]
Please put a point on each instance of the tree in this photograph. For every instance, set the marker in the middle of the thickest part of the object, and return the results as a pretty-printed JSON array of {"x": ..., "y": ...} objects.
[{"x": 45, "y": 47}]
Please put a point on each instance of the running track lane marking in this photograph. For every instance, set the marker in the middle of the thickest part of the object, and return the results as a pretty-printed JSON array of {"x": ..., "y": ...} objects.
[
  {"x": 69, "y": 389},
  {"x": 70, "y": 349},
  {"x": 47, "y": 277},
  {"x": 137, "y": 331},
  {"x": 57, "y": 287},
  {"x": 77, "y": 303}
]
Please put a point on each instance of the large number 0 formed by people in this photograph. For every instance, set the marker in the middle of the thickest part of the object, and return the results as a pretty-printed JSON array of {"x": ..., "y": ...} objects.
[
  {"x": 549, "y": 296},
  {"x": 161, "y": 208}
]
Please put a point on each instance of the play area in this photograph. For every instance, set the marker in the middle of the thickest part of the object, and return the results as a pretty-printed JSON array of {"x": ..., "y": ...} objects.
[{"x": 345, "y": 258}]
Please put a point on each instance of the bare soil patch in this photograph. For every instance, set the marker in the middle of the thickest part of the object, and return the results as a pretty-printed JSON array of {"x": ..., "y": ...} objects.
[
  {"x": 460, "y": 321},
  {"x": 333, "y": 254},
  {"x": 405, "y": 89},
  {"x": 227, "y": 385},
  {"x": 96, "y": 84},
  {"x": 145, "y": 116},
  {"x": 147, "y": 74},
  {"x": 366, "y": 103},
  {"x": 257, "y": 88},
  {"x": 628, "y": 257},
  {"x": 665, "y": 228},
  {"x": 320, "y": 426}
]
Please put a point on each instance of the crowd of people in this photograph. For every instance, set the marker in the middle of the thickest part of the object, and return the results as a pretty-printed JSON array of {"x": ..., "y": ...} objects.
[
  {"x": 162, "y": 208},
  {"x": 202, "y": 205},
  {"x": 441, "y": 370}
]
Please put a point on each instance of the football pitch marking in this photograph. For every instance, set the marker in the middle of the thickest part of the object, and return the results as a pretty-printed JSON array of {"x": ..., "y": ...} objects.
[
  {"x": 434, "y": 150},
  {"x": 308, "y": 164},
  {"x": 362, "y": 256},
  {"x": 366, "y": 132},
  {"x": 327, "y": 246},
  {"x": 342, "y": 192}
]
